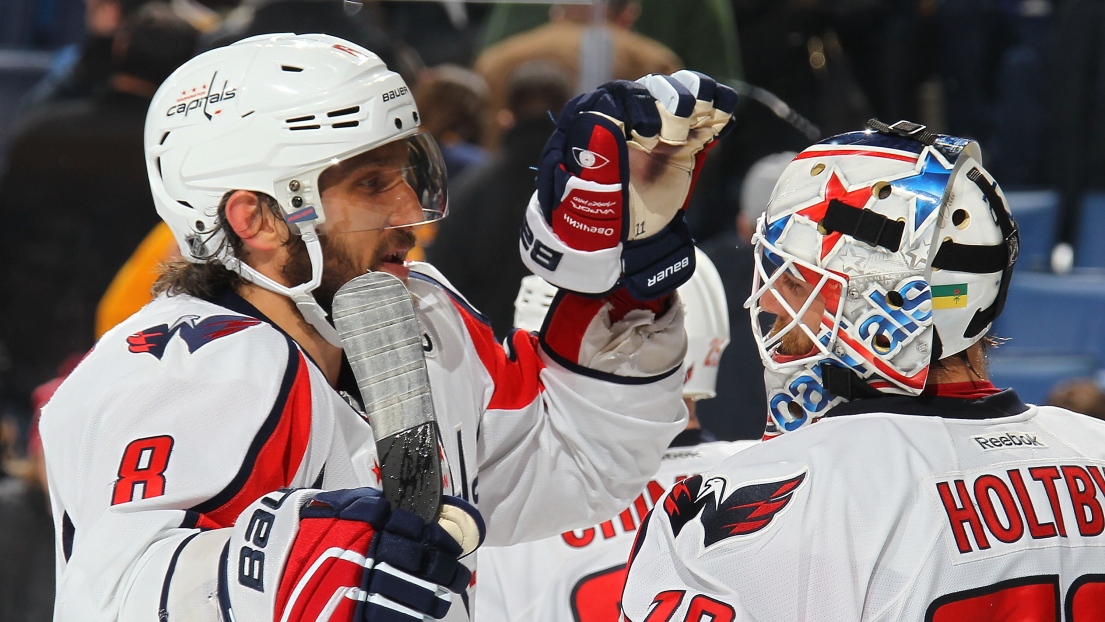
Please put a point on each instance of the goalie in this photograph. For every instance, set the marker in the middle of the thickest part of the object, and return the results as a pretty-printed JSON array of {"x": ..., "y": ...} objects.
[{"x": 208, "y": 459}]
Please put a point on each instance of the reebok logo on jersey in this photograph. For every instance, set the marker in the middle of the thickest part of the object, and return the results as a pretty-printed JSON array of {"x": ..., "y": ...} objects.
[
  {"x": 743, "y": 512},
  {"x": 1000, "y": 511},
  {"x": 194, "y": 333},
  {"x": 1007, "y": 441}
]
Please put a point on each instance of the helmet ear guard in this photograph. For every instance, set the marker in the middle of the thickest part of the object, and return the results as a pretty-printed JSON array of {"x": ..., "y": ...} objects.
[{"x": 983, "y": 259}]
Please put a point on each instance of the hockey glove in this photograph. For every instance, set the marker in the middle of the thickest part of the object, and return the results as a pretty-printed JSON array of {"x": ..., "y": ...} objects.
[
  {"x": 614, "y": 180},
  {"x": 344, "y": 555}
]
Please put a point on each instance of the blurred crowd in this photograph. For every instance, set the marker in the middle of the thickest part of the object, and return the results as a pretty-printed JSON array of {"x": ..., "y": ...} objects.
[{"x": 81, "y": 240}]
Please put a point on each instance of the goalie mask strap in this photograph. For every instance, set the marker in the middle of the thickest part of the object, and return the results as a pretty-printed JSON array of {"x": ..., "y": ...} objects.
[
  {"x": 845, "y": 383},
  {"x": 864, "y": 225}
]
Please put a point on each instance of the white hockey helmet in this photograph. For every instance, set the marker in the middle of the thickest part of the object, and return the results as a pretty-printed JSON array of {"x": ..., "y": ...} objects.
[
  {"x": 531, "y": 305},
  {"x": 706, "y": 313},
  {"x": 707, "y": 323},
  {"x": 270, "y": 114},
  {"x": 906, "y": 246}
]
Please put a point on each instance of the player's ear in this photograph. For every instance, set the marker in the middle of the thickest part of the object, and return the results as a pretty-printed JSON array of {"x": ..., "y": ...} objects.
[{"x": 254, "y": 223}]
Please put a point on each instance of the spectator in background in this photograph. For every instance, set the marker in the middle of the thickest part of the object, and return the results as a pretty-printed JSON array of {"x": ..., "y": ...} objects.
[
  {"x": 1081, "y": 395},
  {"x": 700, "y": 32},
  {"x": 446, "y": 31},
  {"x": 558, "y": 42},
  {"x": 488, "y": 202},
  {"x": 329, "y": 17},
  {"x": 32, "y": 24},
  {"x": 76, "y": 201},
  {"x": 27, "y": 531},
  {"x": 741, "y": 410},
  {"x": 453, "y": 105},
  {"x": 78, "y": 70}
]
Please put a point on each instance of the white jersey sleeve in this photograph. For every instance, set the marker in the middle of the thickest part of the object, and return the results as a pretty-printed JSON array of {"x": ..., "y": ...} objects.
[
  {"x": 579, "y": 574},
  {"x": 884, "y": 517},
  {"x": 541, "y": 445},
  {"x": 176, "y": 421}
]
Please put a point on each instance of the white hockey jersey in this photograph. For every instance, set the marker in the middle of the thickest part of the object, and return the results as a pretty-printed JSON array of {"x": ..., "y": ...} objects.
[
  {"x": 890, "y": 509},
  {"x": 188, "y": 411},
  {"x": 579, "y": 574}
]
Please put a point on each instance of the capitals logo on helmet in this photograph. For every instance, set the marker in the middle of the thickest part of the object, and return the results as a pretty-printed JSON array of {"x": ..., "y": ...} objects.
[{"x": 903, "y": 246}]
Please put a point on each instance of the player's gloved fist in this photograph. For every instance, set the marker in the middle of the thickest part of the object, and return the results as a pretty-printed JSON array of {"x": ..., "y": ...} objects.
[
  {"x": 663, "y": 182},
  {"x": 612, "y": 183},
  {"x": 342, "y": 555}
]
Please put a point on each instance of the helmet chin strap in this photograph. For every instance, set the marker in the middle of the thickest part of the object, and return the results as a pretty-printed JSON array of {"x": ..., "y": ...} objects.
[{"x": 300, "y": 294}]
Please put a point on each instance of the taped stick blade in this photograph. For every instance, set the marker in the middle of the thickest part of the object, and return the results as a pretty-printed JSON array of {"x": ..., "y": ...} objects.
[{"x": 382, "y": 339}]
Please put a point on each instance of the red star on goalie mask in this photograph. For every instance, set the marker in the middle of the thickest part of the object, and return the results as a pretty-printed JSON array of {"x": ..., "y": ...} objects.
[{"x": 834, "y": 189}]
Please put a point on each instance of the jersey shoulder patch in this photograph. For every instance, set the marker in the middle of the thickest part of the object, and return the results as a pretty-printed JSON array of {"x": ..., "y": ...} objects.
[
  {"x": 725, "y": 512},
  {"x": 193, "y": 331}
]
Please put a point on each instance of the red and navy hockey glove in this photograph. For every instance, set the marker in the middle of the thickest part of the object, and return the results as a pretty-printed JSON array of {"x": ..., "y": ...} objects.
[
  {"x": 614, "y": 179},
  {"x": 344, "y": 556}
]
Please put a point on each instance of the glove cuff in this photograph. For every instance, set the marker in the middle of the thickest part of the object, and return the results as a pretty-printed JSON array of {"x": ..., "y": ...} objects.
[
  {"x": 260, "y": 544},
  {"x": 657, "y": 266},
  {"x": 584, "y": 272}
]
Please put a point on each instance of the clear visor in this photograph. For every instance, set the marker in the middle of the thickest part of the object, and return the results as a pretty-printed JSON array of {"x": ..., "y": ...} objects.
[
  {"x": 400, "y": 184},
  {"x": 805, "y": 297}
]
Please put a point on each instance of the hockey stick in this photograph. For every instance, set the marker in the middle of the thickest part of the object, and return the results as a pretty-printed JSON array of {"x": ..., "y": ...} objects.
[{"x": 383, "y": 341}]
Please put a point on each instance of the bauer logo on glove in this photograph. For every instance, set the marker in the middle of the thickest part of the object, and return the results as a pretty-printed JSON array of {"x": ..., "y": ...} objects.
[{"x": 614, "y": 181}]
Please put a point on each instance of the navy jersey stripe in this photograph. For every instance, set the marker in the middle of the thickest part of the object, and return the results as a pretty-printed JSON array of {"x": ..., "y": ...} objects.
[
  {"x": 163, "y": 607},
  {"x": 263, "y": 434},
  {"x": 457, "y": 298}
]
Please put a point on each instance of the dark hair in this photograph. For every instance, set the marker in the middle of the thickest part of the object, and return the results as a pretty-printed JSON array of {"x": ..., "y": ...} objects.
[
  {"x": 537, "y": 88},
  {"x": 452, "y": 98},
  {"x": 1082, "y": 395},
  {"x": 157, "y": 42},
  {"x": 207, "y": 278}
]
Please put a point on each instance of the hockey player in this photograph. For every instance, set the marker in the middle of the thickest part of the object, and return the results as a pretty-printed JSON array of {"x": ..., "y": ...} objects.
[
  {"x": 207, "y": 460},
  {"x": 921, "y": 491},
  {"x": 578, "y": 575}
]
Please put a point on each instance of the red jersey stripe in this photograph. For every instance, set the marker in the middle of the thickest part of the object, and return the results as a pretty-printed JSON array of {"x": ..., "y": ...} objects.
[
  {"x": 274, "y": 466},
  {"x": 517, "y": 382}
]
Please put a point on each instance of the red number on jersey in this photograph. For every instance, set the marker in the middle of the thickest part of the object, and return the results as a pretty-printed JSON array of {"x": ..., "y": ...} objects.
[
  {"x": 1086, "y": 599},
  {"x": 664, "y": 605},
  {"x": 705, "y": 609},
  {"x": 142, "y": 469},
  {"x": 597, "y": 597},
  {"x": 1031, "y": 599},
  {"x": 702, "y": 608}
]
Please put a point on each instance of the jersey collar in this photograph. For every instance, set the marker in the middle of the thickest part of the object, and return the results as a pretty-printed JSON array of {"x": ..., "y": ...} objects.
[
  {"x": 1001, "y": 404},
  {"x": 233, "y": 301}
]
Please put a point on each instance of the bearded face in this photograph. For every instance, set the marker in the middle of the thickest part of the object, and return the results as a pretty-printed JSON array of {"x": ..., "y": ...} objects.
[
  {"x": 794, "y": 292},
  {"x": 793, "y": 343},
  {"x": 341, "y": 262}
]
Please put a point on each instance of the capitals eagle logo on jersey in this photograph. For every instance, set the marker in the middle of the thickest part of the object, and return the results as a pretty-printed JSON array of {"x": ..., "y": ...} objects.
[
  {"x": 195, "y": 333},
  {"x": 746, "y": 510}
]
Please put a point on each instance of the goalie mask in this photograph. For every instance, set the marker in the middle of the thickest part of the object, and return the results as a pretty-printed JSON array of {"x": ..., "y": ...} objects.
[
  {"x": 272, "y": 114},
  {"x": 880, "y": 252}
]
